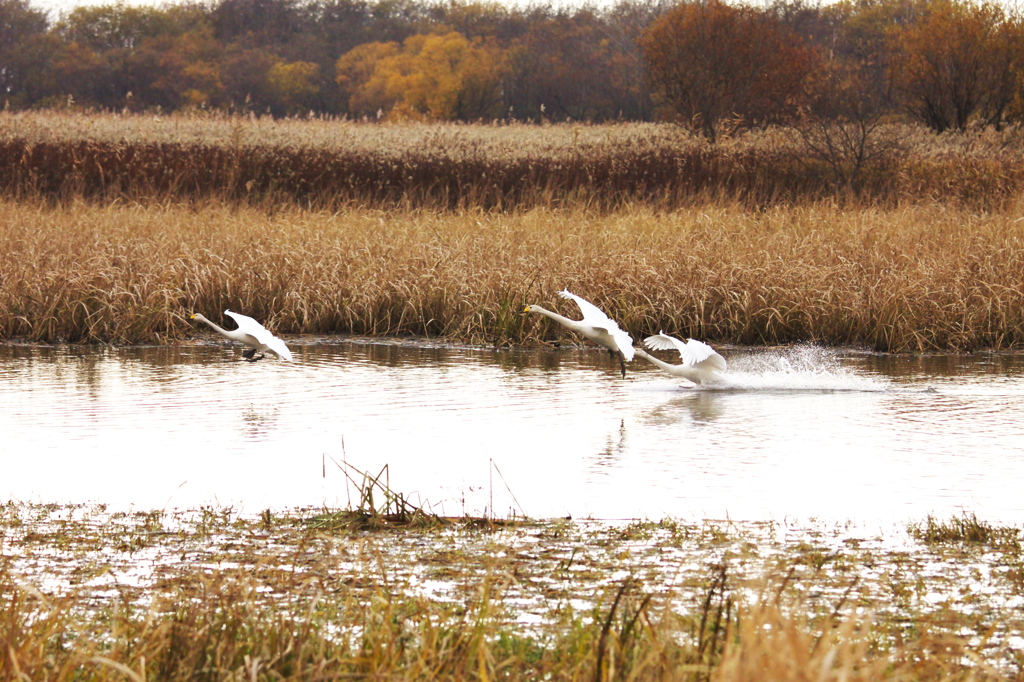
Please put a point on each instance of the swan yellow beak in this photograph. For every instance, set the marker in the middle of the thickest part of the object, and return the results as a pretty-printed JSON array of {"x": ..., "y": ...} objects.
[
  {"x": 192, "y": 316},
  {"x": 526, "y": 309}
]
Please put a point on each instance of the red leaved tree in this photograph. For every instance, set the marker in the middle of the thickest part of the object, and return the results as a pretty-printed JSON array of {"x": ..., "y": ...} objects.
[{"x": 713, "y": 62}]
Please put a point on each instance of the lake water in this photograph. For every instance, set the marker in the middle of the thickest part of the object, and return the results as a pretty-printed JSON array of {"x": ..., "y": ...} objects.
[{"x": 799, "y": 433}]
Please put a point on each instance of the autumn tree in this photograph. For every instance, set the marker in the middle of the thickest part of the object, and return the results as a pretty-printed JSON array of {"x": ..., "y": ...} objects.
[
  {"x": 481, "y": 19},
  {"x": 259, "y": 23},
  {"x": 179, "y": 66},
  {"x": 573, "y": 66},
  {"x": 245, "y": 74},
  {"x": 711, "y": 62},
  {"x": 355, "y": 71},
  {"x": 847, "y": 91},
  {"x": 440, "y": 76},
  {"x": 22, "y": 30},
  {"x": 957, "y": 61},
  {"x": 294, "y": 85}
]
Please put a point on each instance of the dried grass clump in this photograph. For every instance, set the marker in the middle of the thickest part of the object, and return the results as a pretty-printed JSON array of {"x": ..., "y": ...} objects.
[
  {"x": 91, "y": 594},
  {"x": 331, "y": 163},
  {"x": 966, "y": 528},
  {"x": 917, "y": 278},
  {"x": 217, "y": 626}
]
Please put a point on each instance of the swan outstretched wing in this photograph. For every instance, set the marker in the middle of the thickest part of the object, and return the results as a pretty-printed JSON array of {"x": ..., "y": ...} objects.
[
  {"x": 663, "y": 341},
  {"x": 256, "y": 330},
  {"x": 591, "y": 313},
  {"x": 596, "y": 318},
  {"x": 693, "y": 353}
]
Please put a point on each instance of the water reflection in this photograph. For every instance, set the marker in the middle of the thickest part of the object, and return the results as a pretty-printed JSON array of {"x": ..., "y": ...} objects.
[
  {"x": 797, "y": 432},
  {"x": 695, "y": 406}
]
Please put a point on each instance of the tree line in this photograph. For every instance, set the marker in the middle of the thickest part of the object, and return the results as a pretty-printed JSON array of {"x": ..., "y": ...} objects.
[{"x": 836, "y": 71}]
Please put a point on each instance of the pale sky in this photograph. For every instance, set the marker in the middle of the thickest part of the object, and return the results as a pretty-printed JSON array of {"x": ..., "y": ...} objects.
[{"x": 58, "y": 7}]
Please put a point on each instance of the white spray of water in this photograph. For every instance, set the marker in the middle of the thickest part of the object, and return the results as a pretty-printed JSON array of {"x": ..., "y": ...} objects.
[{"x": 800, "y": 368}]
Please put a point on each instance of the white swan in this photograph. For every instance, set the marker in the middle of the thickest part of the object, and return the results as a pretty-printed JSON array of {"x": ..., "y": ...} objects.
[
  {"x": 252, "y": 334},
  {"x": 595, "y": 325},
  {"x": 701, "y": 364}
]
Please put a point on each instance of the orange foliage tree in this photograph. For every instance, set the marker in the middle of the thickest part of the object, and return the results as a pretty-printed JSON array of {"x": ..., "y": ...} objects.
[
  {"x": 956, "y": 61},
  {"x": 357, "y": 68},
  {"x": 711, "y": 62},
  {"x": 438, "y": 76}
]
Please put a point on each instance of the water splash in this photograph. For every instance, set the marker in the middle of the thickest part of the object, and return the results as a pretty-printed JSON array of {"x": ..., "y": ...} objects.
[{"x": 799, "y": 368}]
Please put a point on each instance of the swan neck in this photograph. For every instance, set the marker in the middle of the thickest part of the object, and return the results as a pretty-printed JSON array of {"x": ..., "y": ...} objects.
[
  {"x": 564, "y": 321},
  {"x": 655, "y": 361},
  {"x": 216, "y": 327}
]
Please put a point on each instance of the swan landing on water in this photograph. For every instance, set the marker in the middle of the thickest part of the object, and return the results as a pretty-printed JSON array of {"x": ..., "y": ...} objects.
[{"x": 701, "y": 364}]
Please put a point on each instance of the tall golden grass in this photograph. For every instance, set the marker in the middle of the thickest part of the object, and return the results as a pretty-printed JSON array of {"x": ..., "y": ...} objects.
[
  {"x": 921, "y": 277},
  {"x": 331, "y": 163}
]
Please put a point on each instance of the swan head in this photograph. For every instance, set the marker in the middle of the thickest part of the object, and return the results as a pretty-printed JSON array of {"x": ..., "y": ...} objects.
[{"x": 530, "y": 309}]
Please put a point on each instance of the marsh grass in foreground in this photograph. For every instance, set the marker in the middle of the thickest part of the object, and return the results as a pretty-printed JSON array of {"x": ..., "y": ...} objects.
[
  {"x": 966, "y": 528},
  {"x": 920, "y": 278},
  {"x": 208, "y": 595}
]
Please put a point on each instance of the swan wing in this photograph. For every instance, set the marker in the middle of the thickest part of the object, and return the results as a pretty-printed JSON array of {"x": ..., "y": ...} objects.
[
  {"x": 247, "y": 325},
  {"x": 693, "y": 353},
  {"x": 256, "y": 330},
  {"x": 277, "y": 347},
  {"x": 596, "y": 318},
  {"x": 700, "y": 354},
  {"x": 623, "y": 340},
  {"x": 592, "y": 315},
  {"x": 625, "y": 343},
  {"x": 663, "y": 341}
]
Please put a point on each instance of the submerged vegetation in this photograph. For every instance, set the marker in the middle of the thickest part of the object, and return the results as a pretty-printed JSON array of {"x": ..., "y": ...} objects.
[{"x": 87, "y": 593}]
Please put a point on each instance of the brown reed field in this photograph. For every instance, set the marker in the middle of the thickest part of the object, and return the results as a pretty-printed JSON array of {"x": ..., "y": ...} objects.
[
  {"x": 916, "y": 278},
  {"x": 510, "y": 167},
  {"x": 113, "y": 228},
  {"x": 87, "y": 594}
]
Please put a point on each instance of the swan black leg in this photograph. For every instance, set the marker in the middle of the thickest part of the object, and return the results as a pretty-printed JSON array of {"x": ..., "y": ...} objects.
[
  {"x": 249, "y": 353},
  {"x": 251, "y": 359},
  {"x": 622, "y": 363}
]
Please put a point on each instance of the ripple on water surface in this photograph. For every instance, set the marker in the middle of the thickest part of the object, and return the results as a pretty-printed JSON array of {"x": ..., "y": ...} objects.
[{"x": 798, "y": 432}]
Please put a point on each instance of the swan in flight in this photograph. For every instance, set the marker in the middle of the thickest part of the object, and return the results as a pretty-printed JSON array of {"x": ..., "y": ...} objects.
[
  {"x": 701, "y": 364},
  {"x": 252, "y": 334},
  {"x": 595, "y": 325}
]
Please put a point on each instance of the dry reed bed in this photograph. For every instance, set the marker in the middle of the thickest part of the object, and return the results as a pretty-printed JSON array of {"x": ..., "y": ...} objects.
[
  {"x": 918, "y": 278},
  {"x": 90, "y": 595},
  {"x": 329, "y": 163}
]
